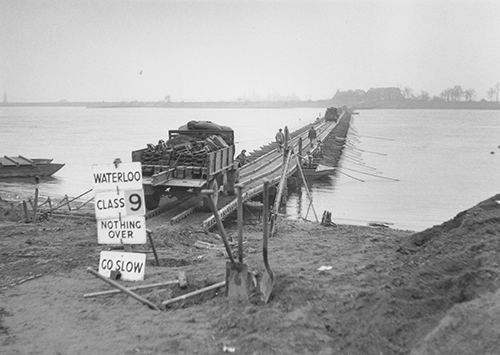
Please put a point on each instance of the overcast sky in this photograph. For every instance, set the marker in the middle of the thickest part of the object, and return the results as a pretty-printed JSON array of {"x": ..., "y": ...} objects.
[{"x": 213, "y": 50}]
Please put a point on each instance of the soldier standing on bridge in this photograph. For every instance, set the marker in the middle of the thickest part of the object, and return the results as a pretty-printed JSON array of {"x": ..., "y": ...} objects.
[
  {"x": 280, "y": 139},
  {"x": 312, "y": 136},
  {"x": 241, "y": 158}
]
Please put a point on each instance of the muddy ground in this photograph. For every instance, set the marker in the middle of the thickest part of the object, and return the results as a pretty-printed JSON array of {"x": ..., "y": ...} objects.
[{"x": 387, "y": 292}]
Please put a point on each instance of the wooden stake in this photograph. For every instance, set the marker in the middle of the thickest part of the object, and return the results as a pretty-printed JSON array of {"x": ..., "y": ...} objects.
[
  {"x": 277, "y": 200},
  {"x": 194, "y": 293},
  {"x": 282, "y": 183},
  {"x": 62, "y": 204},
  {"x": 123, "y": 289},
  {"x": 85, "y": 203},
  {"x": 306, "y": 187},
  {"x": 25, "y": 209},
  {"x": 35, "y": 205},
  {"x": 67, "y": 201},
  {"x": 150, "y": 238},
  {"x": 240, "y": 223}
]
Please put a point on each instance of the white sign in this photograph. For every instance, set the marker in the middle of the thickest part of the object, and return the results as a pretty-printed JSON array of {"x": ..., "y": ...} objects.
[
  {"x": 127, "y": 230},
  {"x": 125, "y": 176},
  {"x": 112, "y": 204},
  {"x": 131, "y": 265}
]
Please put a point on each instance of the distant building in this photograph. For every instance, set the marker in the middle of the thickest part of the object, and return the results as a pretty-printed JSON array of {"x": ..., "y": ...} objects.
[{"x": 5, "y": 98}]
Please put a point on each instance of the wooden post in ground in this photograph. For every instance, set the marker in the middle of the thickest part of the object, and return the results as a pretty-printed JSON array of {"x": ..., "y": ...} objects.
[
  {"x": 25, "y": 209},
  {"x": 150, "y": 238},
  {"x": 67, "y": 200},
  {"x": 35, "y": 205}
]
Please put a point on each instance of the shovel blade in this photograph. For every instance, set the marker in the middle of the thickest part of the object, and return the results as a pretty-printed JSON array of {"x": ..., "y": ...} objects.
[
  {"x": 266, "y": 286},
  {"x": 237, "y": 282}
]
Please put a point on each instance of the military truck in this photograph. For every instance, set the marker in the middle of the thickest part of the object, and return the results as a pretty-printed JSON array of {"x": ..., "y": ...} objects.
[
  {"x": 197, "y": 156},
  {"x": 332, "y": 114}
]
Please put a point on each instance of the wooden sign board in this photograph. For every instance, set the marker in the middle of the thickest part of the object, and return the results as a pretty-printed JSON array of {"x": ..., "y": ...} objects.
[
  {"x": 132, "y": 266},
  {"x": 113, "y": 204},
  {"x": 127, "y": 230},
  {"x": 124, "y": 176}
]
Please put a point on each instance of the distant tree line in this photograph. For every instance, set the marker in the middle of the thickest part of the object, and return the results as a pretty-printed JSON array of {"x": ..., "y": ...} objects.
[
  {"x": 494, "y": 92},
  {"x": 456, "y": 93},
  {"x": 394, "y": 96}
]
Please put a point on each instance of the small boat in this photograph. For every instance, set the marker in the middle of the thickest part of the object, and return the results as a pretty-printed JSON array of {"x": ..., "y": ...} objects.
[
  {"x": 380, "y": 224},
  {"x": 20, "y": 166},
  {"x": 317, "y": 170}
]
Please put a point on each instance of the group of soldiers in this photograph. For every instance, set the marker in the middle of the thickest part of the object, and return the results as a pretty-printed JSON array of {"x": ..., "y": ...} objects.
[
  {"x": 280, "y": 140},
  {"x": 280, "y": 137}
]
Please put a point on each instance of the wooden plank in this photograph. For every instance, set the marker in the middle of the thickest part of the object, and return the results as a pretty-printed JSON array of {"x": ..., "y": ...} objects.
[
  {"x": 194, "y": 293},
  {"x": 11, "y": 160},
  {"x": 134, "y": 288},
  {"x": 123, "y": 289},
  {"x": 31, "y": 162}
]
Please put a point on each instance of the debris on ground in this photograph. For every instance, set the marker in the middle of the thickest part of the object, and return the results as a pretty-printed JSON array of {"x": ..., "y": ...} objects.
[{"x": 387, "y": 291}]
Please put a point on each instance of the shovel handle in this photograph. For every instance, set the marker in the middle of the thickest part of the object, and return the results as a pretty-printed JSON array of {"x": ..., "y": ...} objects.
[{"x": 220, "y": 226}]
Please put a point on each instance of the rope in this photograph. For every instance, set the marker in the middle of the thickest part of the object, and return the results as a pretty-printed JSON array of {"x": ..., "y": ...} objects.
[
  {"x": 381, "y": 138},
  {"x": 379, "y": 176},
  {"x": 352, "y": 177}
]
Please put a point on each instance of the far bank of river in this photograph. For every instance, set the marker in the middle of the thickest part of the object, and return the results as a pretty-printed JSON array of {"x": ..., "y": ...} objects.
[{"x": 368, "y": 105}]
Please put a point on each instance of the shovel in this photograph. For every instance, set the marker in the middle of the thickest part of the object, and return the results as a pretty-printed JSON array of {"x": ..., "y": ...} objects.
[
  {"x": 267, "y": 281},
  {"x": 236, "y": 272}
]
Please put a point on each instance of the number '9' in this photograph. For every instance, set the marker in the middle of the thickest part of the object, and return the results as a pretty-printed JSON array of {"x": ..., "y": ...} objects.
[{"x": 135, "y": 200}]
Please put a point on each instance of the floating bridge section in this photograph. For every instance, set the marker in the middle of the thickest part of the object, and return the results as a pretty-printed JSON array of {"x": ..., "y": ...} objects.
[{"x": 270, "y": 164}]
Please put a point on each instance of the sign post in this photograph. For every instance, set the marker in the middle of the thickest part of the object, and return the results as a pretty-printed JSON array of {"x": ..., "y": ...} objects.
[{"x": 119, "y": 210}]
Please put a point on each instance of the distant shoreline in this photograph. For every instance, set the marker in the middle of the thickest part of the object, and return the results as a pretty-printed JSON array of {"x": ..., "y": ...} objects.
[{"x": 392, "y": 105}]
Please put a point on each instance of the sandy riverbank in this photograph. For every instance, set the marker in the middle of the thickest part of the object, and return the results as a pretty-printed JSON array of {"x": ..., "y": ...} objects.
[{"x": 388, "y": 291}]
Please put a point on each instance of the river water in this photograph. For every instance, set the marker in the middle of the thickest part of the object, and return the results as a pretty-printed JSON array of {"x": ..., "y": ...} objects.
[{"x": 442, "y": 158}]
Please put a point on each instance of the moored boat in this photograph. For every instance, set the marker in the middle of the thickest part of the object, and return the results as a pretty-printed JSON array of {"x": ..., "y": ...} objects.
[{"x": 11, "y": 167}]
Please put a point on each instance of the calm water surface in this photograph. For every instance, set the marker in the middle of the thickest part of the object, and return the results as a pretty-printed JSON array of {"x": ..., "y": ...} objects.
[{"x": 442, "y": 158}]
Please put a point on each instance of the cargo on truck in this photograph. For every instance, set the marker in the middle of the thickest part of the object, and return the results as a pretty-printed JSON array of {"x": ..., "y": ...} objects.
[{"x": 199, "y": 155}]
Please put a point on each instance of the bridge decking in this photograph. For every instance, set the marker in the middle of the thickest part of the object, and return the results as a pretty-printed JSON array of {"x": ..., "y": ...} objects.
[{"x": 267, "y": 163}]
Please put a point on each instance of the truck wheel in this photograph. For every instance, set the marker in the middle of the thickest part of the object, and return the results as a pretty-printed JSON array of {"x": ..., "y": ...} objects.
[
  {"x": 214, "y": 186},
  {"x": 153, "y": 200}
]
